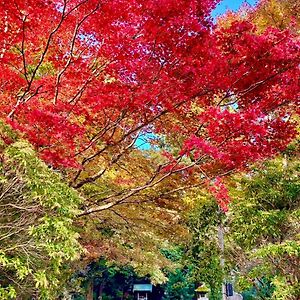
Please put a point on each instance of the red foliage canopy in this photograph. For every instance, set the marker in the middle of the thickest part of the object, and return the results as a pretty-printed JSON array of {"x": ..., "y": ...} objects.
[{"x": 79, "y": 77}]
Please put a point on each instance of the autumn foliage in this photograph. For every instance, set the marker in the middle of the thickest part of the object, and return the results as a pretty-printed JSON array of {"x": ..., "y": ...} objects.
[
  {"x": 72, "y": 69},
  {"x": 137, "y": 105},
  {"x": 84, "y": 80}
]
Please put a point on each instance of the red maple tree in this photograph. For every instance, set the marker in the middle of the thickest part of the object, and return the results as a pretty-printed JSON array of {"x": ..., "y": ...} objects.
[{"x": 83, "y": 79}]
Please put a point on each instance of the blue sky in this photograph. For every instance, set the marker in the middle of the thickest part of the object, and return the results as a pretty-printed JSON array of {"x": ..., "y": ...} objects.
[{"x": 230, "y": 4}]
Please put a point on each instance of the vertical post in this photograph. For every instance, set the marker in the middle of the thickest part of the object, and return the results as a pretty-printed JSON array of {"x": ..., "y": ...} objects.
[
  {"x": 222, "y": 260},
  {"x": 90, "y": 290}
]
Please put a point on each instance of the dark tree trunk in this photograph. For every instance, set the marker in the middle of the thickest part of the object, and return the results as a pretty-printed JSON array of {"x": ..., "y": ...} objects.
[{"x": 90, "y": 291}]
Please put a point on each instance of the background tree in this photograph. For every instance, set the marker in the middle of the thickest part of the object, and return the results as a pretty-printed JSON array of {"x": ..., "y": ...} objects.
[
  {"x": 37, "y": 236},
  {"x": 204, "y": 249},
  {"x": 264, "y": 226},
  {"x": 103, "y": 280},
  {"x": 283, "y": 15},
  {"x": 180, "y": 284},
  {"x": 261, "y": 232},
  {"x": 279, "y": 14}
]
